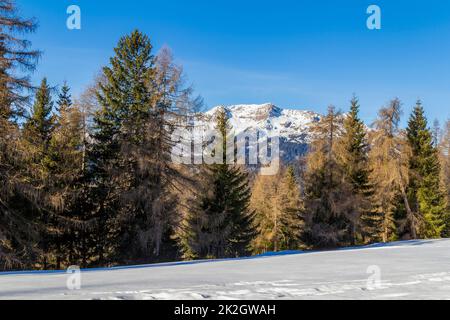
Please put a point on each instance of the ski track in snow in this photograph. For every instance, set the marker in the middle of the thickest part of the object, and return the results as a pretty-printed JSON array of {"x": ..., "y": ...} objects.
[{"x": 409, "y": 270}]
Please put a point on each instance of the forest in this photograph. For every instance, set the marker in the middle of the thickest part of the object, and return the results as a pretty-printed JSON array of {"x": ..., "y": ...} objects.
[{"x": 89, "y": 180}]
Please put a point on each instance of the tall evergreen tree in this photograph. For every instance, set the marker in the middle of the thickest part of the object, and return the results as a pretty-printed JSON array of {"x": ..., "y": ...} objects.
[
  {"x": 142, "y": 98},
  {"x": 222, "y": 225},
  {"x": 424, "y": 190},
  {"x": 354, "y": 159},
  {"x": 64, "y": 98},
  {"x": 38, "y": 128},
  {"x": 125, "y": 103},
  {"x": 37, "y": 134}
]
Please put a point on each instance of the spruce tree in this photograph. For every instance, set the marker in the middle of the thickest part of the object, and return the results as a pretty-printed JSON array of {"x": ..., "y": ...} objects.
[
  {"x": 37, "y": 134},
  {"x": 424, "y": 190},
  {"x": 354, "y": 159},
  {"x": 39, "y": 126},
  {"x": 222, "y": 226},
  {"x": 125, "y": 102},
  {"x": 64, "y": 98},
  {"x": 139, "y": 100}
]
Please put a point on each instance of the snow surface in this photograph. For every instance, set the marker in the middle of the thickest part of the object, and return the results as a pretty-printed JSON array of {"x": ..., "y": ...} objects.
[{"x": 409, "y": 270}]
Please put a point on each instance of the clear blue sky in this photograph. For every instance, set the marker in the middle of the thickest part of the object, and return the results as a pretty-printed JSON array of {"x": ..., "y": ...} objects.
[{"x": 302, "y": 54}]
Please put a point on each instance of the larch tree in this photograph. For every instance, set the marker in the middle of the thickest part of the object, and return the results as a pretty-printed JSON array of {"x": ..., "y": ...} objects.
[
  {"x": 65, "y": 158},
  {"x": 444, "y": 147},
  {"x": 329, "y": 201},
  {"x": 389, "y": 173},
  {"x": 18, "y": 230},
  {"x": 263, "y": 203},
  {"x": 290, "y": 206},
  {"x": 277, "y": 204}
]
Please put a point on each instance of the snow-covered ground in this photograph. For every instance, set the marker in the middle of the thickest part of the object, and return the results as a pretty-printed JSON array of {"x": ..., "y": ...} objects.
[{"x": 406, "y": 270}]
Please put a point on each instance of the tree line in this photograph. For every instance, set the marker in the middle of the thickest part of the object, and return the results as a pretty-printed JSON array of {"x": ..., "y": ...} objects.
[{"x": 90, "y": 181}]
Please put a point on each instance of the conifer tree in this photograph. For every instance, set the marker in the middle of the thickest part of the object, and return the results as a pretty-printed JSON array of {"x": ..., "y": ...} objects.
[
  {"x": 37, "y": 134},
  {"x": 389, "y": 173},
  {"x": 329, "y": 201},
  {"x": 264, "y": 204},
  {"x": 64, "y": 98},
  {"x": 38, "y": 128},
  {"x": 445, "y": 175},
  {"x": 141, "y": 99},
  {"x": 278, "y": 210},
  {"x": 18, "y": 232},
  {"x": 65, "y": 163},
  {"x": 424, "y": 190},
  {"x": 222, "y": 225},
  {"x": 124, "y": 99},
  {"x": 290, "y": 207},
  {"x": 354, "y": 158}
]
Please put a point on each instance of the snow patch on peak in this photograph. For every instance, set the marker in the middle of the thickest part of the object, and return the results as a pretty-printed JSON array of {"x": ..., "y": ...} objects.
[{"x": 292, "y": 126}]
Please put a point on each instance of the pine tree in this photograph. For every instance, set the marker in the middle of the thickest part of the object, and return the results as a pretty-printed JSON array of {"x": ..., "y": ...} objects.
[
  {"x": 424, "y": 184},
  {"x": 222, "y": 225},
  {"x": 354, "y": 158},
  {"x": 18, "y": 232}
]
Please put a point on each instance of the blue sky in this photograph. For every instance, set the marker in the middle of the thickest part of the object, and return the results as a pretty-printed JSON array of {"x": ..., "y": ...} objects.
[{"x": 297, "y": 54}]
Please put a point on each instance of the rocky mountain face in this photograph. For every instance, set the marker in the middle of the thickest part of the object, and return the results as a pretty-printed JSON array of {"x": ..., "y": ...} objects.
[{"x": 293, "y": 127}]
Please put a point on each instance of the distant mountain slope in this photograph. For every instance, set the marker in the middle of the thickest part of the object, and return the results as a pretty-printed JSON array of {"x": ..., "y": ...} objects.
[{"x": 293, "y": 127}]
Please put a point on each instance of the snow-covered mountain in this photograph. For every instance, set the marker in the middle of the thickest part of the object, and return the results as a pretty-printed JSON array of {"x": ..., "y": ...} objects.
[{"x": 291, "y": 126}]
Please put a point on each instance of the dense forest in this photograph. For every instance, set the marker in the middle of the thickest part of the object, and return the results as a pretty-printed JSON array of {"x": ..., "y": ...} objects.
[{"x": 89, "y": 180}]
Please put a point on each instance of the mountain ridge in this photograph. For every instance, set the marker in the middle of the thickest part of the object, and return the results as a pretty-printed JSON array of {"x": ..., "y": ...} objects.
[{"x": 292, "y": 126}]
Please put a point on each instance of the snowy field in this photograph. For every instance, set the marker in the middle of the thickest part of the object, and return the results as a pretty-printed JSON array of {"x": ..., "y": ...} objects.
[{"x": 405, "y": 270}]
